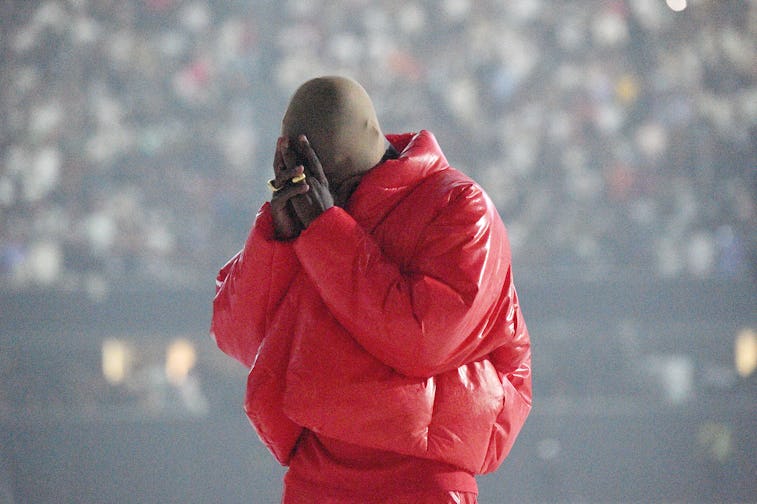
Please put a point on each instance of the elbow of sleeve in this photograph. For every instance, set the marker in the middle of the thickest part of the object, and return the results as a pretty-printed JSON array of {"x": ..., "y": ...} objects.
[
  {"x": 230, "y": 347},
  {"x": 223, "y": 343},
  {"x": 423, "y": 361},
  {"x": 228, "y": 335}
]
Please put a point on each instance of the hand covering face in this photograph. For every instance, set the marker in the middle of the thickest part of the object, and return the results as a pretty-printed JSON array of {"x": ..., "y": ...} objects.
[{"x": 339, "y": 120}]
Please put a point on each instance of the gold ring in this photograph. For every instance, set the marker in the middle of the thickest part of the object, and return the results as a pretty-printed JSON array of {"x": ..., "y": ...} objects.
[
  {"x": 293, "y": 180},
  {"x": 272, "y": 187}
]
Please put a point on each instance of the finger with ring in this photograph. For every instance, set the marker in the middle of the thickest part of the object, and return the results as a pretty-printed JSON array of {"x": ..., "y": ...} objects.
[
  {"x": 272, "y": 187},
  {"x": 294, "y": 180}
]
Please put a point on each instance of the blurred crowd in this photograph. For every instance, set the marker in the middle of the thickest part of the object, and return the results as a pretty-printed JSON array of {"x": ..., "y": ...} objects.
[{"x": 616, "y": 137}]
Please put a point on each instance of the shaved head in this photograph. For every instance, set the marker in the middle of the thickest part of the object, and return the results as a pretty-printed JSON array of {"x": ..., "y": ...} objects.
[{"x": 337, "y": 116}]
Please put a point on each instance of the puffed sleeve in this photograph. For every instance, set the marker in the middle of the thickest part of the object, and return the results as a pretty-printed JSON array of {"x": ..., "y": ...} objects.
[
  {"x": 433, "y": 314},
  {"x": 248, "y": 289}
]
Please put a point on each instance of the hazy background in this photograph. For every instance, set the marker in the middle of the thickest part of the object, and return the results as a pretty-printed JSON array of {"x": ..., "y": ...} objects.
[{"x": 618, "y": 139}]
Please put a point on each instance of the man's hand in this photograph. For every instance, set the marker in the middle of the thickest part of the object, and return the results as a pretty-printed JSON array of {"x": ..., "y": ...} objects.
[
  {"x": 287, "y": 225},
  {"x": 309, "y": 205},
  {"x": 294, "y": 205}
]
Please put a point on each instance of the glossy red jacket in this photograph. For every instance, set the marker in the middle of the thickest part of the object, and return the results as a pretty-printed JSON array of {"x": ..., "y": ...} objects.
[{"x": 392, "y": 323}]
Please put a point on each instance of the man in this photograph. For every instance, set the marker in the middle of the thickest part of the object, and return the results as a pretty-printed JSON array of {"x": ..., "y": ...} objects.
[{"x": 374, "y": 304}]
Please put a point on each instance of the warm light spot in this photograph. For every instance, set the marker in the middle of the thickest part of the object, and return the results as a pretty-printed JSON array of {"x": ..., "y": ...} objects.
[
  {"x": 180, "y": 359},
  {"x": 677, "y": 5},
  {"x": 116, "y": 360},
  {"x": 745, "y": 352}
]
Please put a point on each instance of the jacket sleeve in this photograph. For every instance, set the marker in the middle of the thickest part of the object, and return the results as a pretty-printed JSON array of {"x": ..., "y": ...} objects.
[
  {"x": 248, "y": 288},
  {"x": 433, "y": 313}
]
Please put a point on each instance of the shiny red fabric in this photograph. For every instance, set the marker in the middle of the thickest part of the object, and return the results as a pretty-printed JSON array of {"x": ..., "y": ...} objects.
[
  {"x": 392, "y": 324},
  {"x": 326, "y": 468},
  {"x": 297, "y": 495}
]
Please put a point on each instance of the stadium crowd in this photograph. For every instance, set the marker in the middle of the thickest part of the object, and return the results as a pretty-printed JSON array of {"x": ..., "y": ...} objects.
[{"x": 615, "y": 136}]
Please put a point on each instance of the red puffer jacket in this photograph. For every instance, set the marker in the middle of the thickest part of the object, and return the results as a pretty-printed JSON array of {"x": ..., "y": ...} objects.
[{"x": 391, "y": 324}]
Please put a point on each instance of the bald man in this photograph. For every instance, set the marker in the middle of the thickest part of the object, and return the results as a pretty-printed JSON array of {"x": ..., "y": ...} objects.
[{"x": 374, "y": 304}]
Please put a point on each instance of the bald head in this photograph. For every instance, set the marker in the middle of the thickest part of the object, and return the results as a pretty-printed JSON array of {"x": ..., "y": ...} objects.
[{"x": 337, "y": 116}]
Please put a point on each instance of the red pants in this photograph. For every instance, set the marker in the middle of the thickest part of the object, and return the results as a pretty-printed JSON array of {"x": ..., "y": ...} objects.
[{"x": 298, "y": 497}]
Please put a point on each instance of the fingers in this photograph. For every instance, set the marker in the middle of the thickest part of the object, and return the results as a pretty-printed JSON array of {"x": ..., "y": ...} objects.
[
  {"x": 278, "y": 160},
  {"x": 286, "y": 193},
  {"x": 296, "y": 198},
  {"x": 288, "y": 154},
  {"x": 314, "y": 164},
  {"x": 285, "y": 166}
]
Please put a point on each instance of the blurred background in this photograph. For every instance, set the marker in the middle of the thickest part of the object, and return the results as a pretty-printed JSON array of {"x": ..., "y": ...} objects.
[{"x": 618, "y": 139}]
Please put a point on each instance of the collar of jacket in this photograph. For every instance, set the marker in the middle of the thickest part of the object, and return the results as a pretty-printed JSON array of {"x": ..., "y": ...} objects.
[{"x": 420, "y": 156}]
